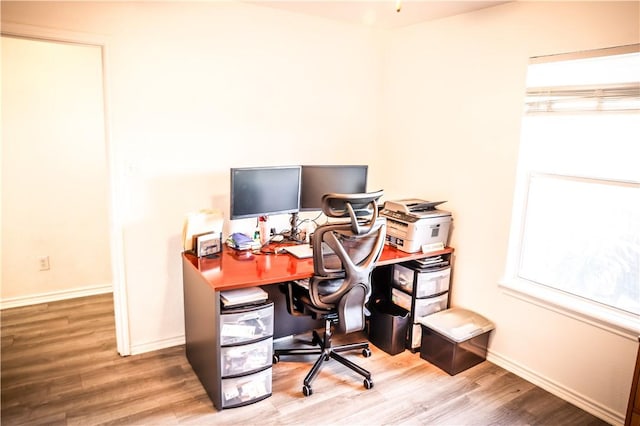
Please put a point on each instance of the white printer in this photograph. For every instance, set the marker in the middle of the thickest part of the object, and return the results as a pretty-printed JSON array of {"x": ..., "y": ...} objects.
[{"x": 414, "y": 223}]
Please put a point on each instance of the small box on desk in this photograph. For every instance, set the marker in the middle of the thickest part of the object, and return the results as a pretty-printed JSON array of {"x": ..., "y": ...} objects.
[
  {"x": 455, "y": 339},
  {"x": 207, "y": 244}
]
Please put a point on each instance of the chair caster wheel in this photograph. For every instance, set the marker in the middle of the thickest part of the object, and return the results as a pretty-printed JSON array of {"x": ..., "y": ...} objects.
[
  {"x": 306, "y": 390},
  {"x": 276, "y": 359},
  {"x": 368, "y": 383},
  {"x": 366, "y": 352},
  {"x": 315, "y": 340}
]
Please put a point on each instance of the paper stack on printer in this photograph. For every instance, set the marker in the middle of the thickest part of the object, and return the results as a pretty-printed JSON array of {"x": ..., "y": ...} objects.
[{"x": 432, "y": 262}]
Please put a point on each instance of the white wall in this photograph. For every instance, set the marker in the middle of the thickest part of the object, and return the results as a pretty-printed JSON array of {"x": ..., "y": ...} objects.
[
  {"x": 195, "y": 89},
  {"x": 457, "y": 107},
  {"x": 54, "y": 172}
]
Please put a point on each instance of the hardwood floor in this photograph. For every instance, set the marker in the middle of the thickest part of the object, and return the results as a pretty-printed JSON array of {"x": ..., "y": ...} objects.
[{"x": 59, "y": 366}]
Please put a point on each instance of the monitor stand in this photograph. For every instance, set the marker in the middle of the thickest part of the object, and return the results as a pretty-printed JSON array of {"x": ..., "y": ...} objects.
[{"x": 293, "y": 234}]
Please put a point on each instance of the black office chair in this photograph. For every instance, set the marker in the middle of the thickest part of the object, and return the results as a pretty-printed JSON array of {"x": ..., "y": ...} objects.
[{"x": 344, "y": 255}]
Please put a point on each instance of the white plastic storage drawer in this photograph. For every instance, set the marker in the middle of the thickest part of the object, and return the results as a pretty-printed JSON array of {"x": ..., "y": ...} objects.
[
  {"x": 242, "y": 359},
  {"x": 245, "y": 325},
  {"x": 423, "y": 307},
  {"x": 426, "y": 283},
  {"x": 246, "y": 389}
]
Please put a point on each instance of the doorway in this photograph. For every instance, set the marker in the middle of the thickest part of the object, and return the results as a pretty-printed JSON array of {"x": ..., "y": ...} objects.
[{"x": 57, "y": 203}]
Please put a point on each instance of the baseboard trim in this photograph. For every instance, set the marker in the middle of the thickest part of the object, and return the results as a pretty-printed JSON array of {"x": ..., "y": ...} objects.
[
  {"x": 54, "y": 296},
  {"x": 558, "y": 390},
  {"x": 157, "y": 345}
]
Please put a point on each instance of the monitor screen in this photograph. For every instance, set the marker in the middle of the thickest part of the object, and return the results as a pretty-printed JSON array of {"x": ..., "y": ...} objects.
[
  {"x": 320, "y": 180},
  {"x": 263, "y": 191}
]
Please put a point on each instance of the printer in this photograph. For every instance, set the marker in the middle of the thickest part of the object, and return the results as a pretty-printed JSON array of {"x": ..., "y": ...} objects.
[{"x": 414, "y": 223}]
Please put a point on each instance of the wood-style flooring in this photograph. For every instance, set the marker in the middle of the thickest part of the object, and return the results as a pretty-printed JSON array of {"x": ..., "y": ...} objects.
[{"x": 59, "y": 366}]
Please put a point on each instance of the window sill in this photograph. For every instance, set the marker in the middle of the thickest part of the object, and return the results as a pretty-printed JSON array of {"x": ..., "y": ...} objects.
[{"x": 614, "y": 321}]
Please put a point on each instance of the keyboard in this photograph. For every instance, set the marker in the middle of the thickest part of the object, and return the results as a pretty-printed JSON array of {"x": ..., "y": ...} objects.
[{"x": 303, "y": 251}]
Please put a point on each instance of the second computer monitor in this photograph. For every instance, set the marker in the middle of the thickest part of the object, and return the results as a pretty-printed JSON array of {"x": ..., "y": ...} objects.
[{"x": 319, "y": 180}]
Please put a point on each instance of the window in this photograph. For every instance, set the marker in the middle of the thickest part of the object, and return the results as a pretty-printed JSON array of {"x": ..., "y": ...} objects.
[{"x": 575, "y": 236}]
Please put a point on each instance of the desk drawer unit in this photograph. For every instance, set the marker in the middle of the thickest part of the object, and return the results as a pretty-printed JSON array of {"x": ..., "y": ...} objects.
[
  {"x": 243, "y": 359},
  {"x": 246, "y": 354},
  {"x": 239, "y": 391},
  {"x": 241, "y": 325},
  {"x": 422, "y": 291},
  {"x": 421, "y": 283},
  {"x": 418, "y": 308},
  {"x": 422, "y": 307}
]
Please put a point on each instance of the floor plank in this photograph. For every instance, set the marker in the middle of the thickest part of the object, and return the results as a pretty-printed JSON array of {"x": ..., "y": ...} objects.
[{"x": 59, "y": 366}]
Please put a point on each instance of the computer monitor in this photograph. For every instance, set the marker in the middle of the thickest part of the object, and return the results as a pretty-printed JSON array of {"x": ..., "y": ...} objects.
[
  {"x": 264, "y": 191},
  {"x": 320, "y": 180}
]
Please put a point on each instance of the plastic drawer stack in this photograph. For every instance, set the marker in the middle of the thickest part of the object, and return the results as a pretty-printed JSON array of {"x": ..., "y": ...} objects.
[
  {"x": 421, "y": 291},
  {"x": 246, "y": 354}
]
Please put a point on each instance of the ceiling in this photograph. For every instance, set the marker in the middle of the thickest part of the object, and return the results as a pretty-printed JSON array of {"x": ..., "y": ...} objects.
[{"x": 381, "y": 13}]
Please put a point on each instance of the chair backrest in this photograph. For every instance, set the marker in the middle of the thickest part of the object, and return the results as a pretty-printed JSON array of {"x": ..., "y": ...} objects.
[{"x": 342, "y": 274}]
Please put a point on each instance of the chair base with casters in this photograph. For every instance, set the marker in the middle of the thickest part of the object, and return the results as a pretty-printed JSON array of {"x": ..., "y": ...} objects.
[{"x": 327, "y": 351}]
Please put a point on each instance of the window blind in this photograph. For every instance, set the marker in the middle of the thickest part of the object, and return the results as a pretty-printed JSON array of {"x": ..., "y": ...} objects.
[{"x": 621, "y": 97}]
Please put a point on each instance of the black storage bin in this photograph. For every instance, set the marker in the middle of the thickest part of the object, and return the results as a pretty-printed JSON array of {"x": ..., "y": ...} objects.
[
  {"x": 455, "y": 339},
  {"x": 388, "y": 327}
]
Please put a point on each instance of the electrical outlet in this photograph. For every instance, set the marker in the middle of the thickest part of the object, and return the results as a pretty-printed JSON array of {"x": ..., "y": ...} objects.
[{"x": 43, "y": 262}]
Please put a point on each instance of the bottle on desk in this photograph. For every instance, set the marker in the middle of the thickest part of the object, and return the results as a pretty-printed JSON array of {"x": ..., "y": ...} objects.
[{"x": 263, "y": 229}]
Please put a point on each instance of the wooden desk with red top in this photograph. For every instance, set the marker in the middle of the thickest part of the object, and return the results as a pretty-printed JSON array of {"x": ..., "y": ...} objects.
[
  {"x": 205, "y": 278},
  {"x": 234, "y": 269}
]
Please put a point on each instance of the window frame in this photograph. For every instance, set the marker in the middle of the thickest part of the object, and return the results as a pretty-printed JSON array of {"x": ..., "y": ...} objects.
[{"x": 574, "y": 306}]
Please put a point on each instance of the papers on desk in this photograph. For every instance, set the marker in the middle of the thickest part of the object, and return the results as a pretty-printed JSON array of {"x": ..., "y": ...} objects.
[
  {"x": 431, "y": 262},
  {"x": 243, "y": 296},
  {"x": 240, "y": 241}
]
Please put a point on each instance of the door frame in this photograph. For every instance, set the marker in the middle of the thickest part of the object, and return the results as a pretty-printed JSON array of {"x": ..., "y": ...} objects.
[{"x": 120, "y": 302}]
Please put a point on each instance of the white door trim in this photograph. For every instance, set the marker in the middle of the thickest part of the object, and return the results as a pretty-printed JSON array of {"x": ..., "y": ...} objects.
[{"x": 120, "y": 304}]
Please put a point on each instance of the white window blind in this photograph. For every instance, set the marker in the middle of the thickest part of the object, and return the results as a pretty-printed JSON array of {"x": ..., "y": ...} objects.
[
  {"x": 595, "y": 98},
  {"x": 575, "y": 236}
]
